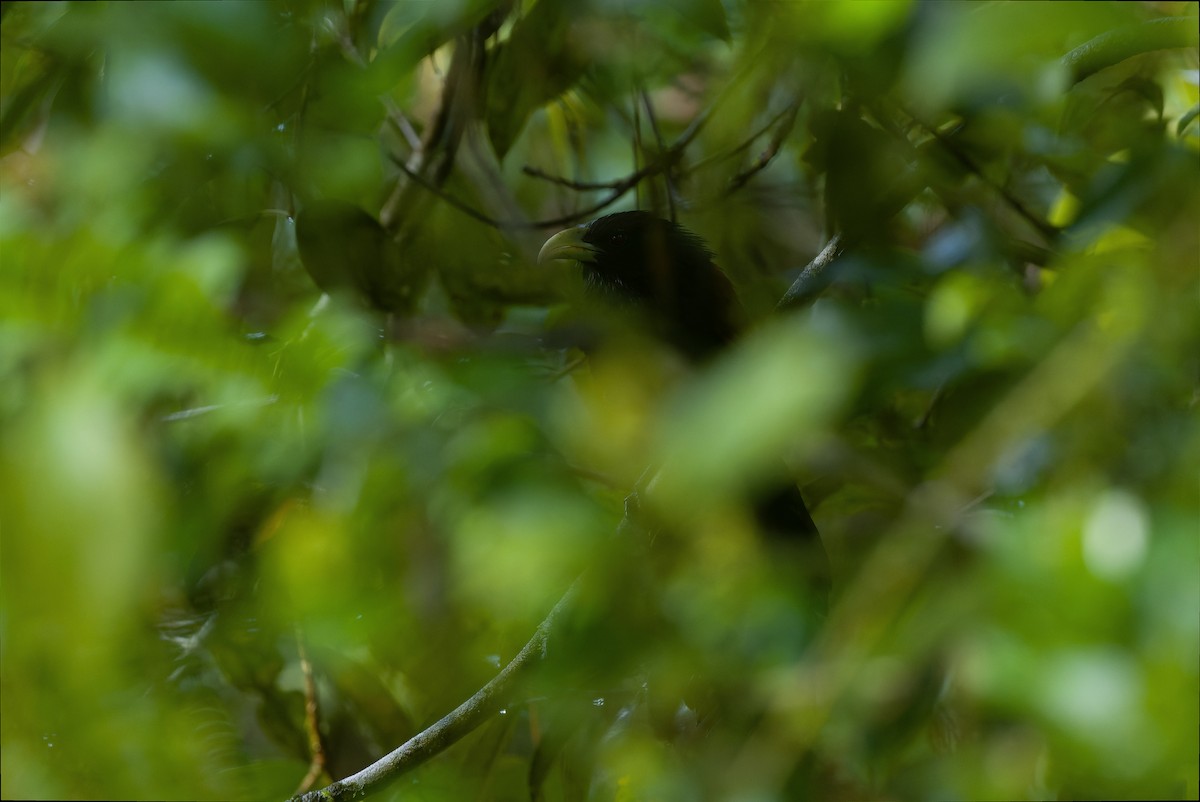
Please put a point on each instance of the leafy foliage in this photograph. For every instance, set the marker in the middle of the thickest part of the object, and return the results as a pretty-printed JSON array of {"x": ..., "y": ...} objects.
[{"x": 251, "y": 533}]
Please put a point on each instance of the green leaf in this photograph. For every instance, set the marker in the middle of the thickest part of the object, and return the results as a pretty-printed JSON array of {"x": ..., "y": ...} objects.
[{"x": 539, "y": 61}]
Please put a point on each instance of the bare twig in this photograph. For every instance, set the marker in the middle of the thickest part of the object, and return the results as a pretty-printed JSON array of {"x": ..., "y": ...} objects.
[
  {"x": 743, "y": 145},
  {"x": 582, "y": 186},
  {"x": 1050, "y": 232},
  {"x": 619, "y": 188},
  {"x": 785, "y": 127},
  {"x": 193, "y": 412},
  {"x": 434, "y": 161},
  {"x": 807, "y": 284},
  {"x": 465, "y": 718},
  {"x": 316, "y": 748},
  {"x": 401, "y": 123},
  {"x": 658, "y": 138}
]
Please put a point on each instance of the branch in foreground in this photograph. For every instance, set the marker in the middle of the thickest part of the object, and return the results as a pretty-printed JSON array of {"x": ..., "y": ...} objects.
[
  {"x": 450, "y": 728},
  {"x": 809, "y": 283},
  {"x": 788, "y": 116},
  {"x": 619, "y": 189}
]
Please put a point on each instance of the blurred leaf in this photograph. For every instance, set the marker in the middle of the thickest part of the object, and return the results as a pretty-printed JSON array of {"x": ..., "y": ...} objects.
[
  {"x": 441, "y": 21},
  {"x": 775, "y": 389},
  {"x": 538, "y": 62},
  {"x": 345, "y": 249},
  {"x": 228, "y": 514},
  {"x": 1187, "y": 119}
]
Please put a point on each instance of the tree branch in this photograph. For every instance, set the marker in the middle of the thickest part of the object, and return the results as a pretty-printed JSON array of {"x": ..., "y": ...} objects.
[
  {"x": 619, "y": 189},
  {"x": 1046, "y": 229},
  {"x": 581, "y": 186},
  {"x": 743, "y": 145},
  {"x": 788, "y": 117},
  {"x": 450, "y": 728},
  {"x": 662, "y": 145},
  {"x": 809, "y": 284}
]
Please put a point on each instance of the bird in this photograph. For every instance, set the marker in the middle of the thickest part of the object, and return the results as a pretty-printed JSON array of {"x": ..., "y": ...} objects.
[
  {"x": 661, "y": 275},
  {"x": 666, "y": 275},
  {"x": 637, "y": 261}
]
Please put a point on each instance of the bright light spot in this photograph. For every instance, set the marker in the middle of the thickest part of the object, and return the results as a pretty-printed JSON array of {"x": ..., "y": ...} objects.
[
  {"x": 156, "y": 89},
  {"x": 950, "y": 309},
  {"x": 1115, "y": 535},
  {"x": 1094, "y": 693}
]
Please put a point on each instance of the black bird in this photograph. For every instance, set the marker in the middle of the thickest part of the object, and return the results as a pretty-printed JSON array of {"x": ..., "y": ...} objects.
[
  {"x": 660, "y": 269},
  {"x": 662, "y": 277},
  {"x": 666, "y": 274}
]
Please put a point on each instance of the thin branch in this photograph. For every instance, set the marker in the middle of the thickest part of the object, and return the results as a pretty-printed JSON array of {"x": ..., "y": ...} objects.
[
  {"x": 672, "y": 151},
  {"x": 694, "y": 128},
  {"x": 477, "y": 163},
  {"x": 743, "y": 145},
  {"x": 1043, "y": 227},
  {"x": 788, "y": 120},
  {"x": 193, "y": 412},
  {"x": 619, "y": 188},
  {"x": 452, "y": 727},
  {"x": 582, "y": 186},
  {"x": 400, "y": 122},
  {"x": 658, "y": 138},
  {"x": 461, "y": 89},
  {"x": 462, "y": 206},
  {"x": 808, "y": 284},
  {"x": 316, "y": 748},
  {"x": 1046, "y": 229}
]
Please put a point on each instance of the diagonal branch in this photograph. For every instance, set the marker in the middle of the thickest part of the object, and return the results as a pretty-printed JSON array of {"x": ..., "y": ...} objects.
[
  {"x": 450, "y": 728},
  {"x": 809, "y": 283},
  {"x": 662, "y": 146},
  {"x": 619, "y": 188},
  {"x": 743, "y": 145},
  {"x": 788, "y": 117},
  {"x": 569, "y": 183}
]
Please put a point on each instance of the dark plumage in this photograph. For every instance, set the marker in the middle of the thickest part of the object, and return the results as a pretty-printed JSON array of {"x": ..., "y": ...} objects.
[{"x": 639, "y": 260}]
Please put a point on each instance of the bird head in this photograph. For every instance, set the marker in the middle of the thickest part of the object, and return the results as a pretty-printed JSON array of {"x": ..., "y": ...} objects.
[
  {"x": 637, "y": 259},
  {"x": 630, "y": 255}
]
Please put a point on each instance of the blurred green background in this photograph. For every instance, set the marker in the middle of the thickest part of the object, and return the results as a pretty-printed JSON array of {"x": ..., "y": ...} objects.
[{"x": 221, "y": 500}]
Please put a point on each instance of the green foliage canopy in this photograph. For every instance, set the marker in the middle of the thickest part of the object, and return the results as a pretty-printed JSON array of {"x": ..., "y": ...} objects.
[{"x": 224, "y": 501}]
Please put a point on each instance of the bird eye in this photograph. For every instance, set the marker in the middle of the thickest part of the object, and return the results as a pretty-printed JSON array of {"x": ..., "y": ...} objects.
[{"x": 617, "y": 237}]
